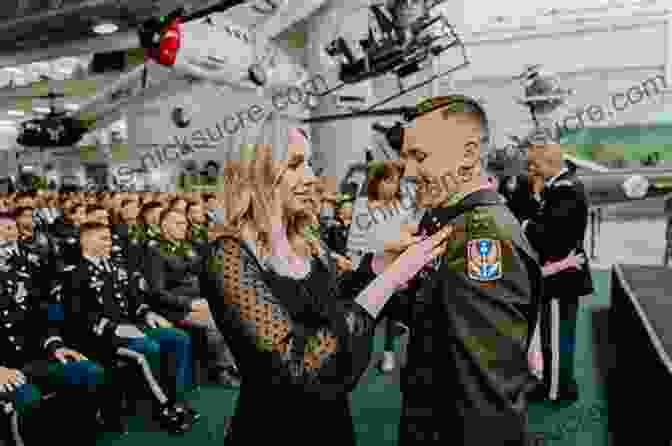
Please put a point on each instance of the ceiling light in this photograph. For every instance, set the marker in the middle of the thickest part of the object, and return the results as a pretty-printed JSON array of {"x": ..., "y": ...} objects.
[
  {"x": 7, "y": 123},
  {"x": 16, "y": 113},
  {"x": 105, "y": 28},
  {"x": 41, "y": 110}
]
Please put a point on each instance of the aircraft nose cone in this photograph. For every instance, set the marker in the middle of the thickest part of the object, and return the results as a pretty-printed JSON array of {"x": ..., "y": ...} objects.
[{"x": 636, "y": 187}]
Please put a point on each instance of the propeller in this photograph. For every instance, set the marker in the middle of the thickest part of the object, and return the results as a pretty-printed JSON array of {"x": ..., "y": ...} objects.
[{"x": 542, "y": 91}]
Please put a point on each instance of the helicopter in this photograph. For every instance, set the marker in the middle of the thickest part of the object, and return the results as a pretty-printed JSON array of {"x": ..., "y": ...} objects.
[
  {"x": 56, "y": 129},
  {"x": 403, "y": 38}
]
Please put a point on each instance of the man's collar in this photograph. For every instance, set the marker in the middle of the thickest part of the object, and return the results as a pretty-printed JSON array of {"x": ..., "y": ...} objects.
[
  {"x": 96, "y": 260},
  {"x": 10, "y": 246},
  {"x": 549, "y": 182},
  {"x": 458, "y": 197}
]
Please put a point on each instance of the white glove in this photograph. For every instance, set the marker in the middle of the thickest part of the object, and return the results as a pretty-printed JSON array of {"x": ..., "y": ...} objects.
[{"x": 128, "y": 331}]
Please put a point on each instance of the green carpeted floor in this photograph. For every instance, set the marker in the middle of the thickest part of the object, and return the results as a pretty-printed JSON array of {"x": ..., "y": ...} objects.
[{"x": 376, "y": 401}]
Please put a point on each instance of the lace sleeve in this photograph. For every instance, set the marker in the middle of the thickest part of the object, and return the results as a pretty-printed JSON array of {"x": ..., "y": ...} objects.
[{"x": 250, "y": 310}]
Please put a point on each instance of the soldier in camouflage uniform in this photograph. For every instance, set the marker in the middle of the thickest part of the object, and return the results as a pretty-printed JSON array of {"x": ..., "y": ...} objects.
[{"x": 471, "y": 311}]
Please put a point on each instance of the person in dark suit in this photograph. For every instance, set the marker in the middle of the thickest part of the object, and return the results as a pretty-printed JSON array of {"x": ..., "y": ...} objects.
[
  {"x": 35, "y": 359},
  {"x": 520, "y": 196},
  {"x": 64, "y": 236},
  {"x": 107, "y": 317},
  {"x": 555, "y": 232}
]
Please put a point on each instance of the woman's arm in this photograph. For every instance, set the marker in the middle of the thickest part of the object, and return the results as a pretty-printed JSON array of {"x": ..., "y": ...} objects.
[{"x": 255, "y": 312}]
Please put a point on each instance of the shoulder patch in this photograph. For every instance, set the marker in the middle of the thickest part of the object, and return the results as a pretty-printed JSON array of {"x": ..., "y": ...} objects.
[{"x": 484, "y": 259}]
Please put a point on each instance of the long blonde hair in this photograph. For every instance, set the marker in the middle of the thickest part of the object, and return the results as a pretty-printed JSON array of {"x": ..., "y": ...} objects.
[
  {"x": 250, "y": 177},
  {"x": 248, "y": 192}
]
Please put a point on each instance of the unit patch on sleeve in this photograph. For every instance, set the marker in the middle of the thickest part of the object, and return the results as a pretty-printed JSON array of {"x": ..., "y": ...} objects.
[{"x": 484, "y": 259}]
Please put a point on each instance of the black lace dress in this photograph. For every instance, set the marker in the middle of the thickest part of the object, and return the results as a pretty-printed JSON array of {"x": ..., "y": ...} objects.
[{"x": 301, "y": 346}]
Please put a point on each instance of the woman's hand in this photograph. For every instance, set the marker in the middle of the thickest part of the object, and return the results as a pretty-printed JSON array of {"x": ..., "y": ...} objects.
[
  {"x": 576, "y": 261},
  {"x": 418, "y": 254}
]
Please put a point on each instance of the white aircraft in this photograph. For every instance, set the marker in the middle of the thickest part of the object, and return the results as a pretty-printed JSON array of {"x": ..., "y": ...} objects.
[
  {"x": 208, "y": 90},
  {"x": 69, "y": 31},
  {"x": 215, "y": 50}
]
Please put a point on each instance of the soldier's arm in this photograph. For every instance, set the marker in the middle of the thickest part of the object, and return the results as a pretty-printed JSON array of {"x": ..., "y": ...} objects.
[
  {"x": 141, "y": 296},
  {"x": 83, "y": 309}
]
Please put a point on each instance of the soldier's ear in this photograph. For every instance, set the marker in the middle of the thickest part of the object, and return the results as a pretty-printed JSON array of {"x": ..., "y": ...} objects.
[{"x": 472, "y": 153}]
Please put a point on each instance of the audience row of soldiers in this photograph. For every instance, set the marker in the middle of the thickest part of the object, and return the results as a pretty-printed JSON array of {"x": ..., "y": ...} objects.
[{"x": 94, "y": 285}]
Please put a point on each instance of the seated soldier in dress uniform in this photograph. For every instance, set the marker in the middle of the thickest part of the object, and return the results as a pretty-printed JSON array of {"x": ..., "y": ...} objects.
[
  {"x": 34, "y": 239},
  {"x": 98, "y": 214},
  {"x": 173, "y": 269},
  {"x": 65, "y": 235},
  {"x": 35, "y": 360},
  {"x": 107, "y": 315},
  {"x": 129, "y": 232}
]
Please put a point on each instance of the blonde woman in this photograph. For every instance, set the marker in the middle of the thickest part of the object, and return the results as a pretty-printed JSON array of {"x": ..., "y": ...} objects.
[{"x": 301, "y": 348}]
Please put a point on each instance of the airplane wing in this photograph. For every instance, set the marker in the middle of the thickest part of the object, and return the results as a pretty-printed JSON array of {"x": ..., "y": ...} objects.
[
  {"x": 215, "y": 51},
  {"x": 590, "y": 165},
  {"x": 625, "y": 185}
]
